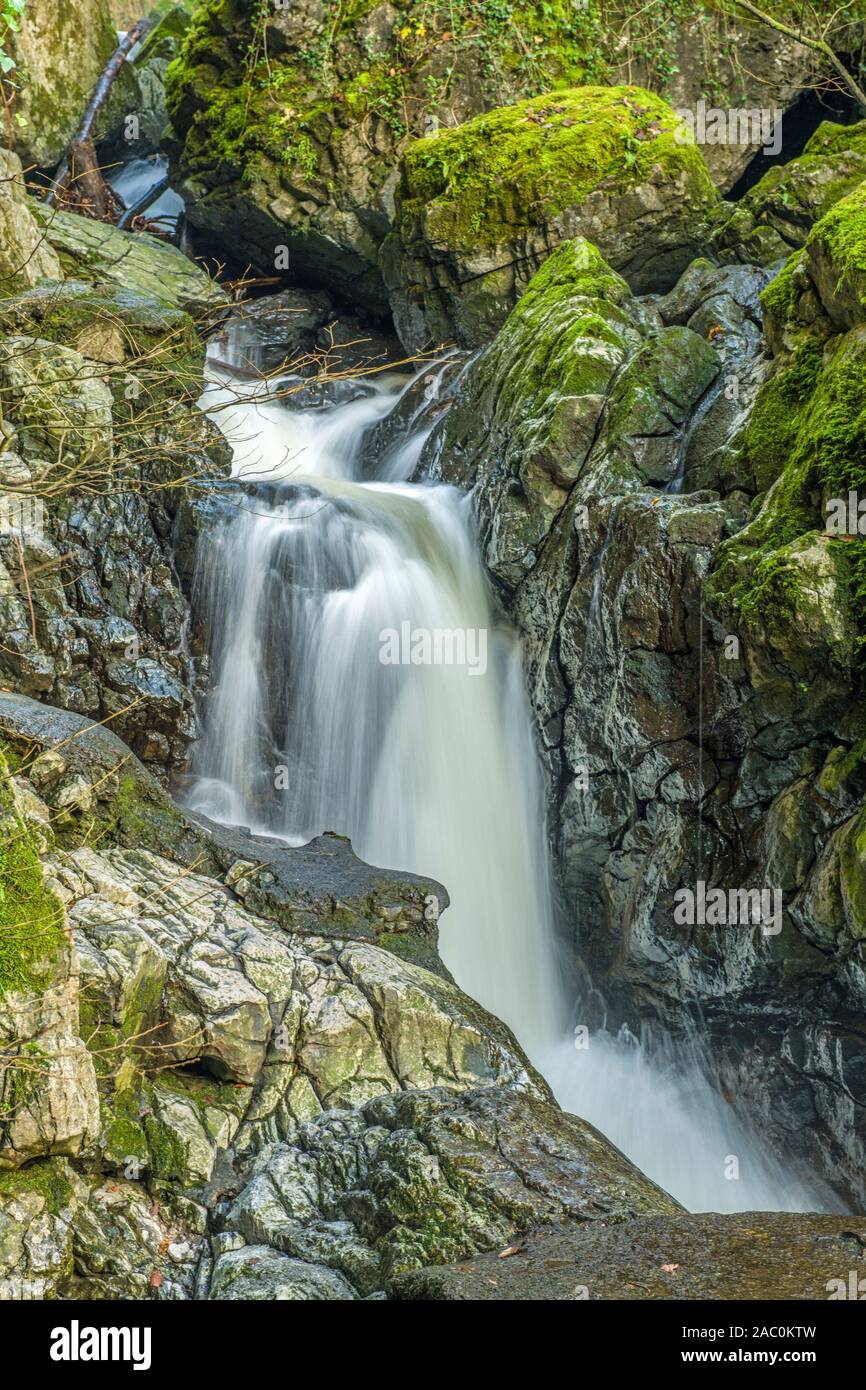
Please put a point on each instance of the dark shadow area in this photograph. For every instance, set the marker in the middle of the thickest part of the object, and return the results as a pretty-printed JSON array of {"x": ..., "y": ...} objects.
[{"x": 800, "y": 123}]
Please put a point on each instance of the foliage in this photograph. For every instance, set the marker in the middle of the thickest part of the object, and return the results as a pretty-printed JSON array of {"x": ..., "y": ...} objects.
[
  {"x": 31, "y": 917},
  {"x": 10, "y": 22}
]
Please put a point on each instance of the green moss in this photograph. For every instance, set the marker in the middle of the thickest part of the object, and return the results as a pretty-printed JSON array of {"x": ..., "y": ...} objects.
[
  {"x": 778, "y": 416},
  {"x": 522, "y": 164},
  {"x": 779, "y": 298},
  {"x": 267, "y": 109},
  {"x": 833, "y": 138},
  {"x": 31, "y": 917},
  {"x": 806, "y": 438},
  {"x": 842, "y": 232},
  {"x": 47, "y": 1178}
]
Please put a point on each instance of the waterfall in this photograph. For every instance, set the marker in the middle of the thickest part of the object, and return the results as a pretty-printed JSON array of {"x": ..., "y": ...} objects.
[{"x": 430, "y": 768}]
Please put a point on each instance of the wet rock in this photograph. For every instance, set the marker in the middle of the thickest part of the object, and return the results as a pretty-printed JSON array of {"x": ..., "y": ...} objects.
[
  {"x": 305, "y": 330},
  {"x": 323, "y": 887},
  {"x": 259, "y": 1274},
  {"x": 753, "y": 1255},
  {"x": 776, "y": 216},
  {"x": 692, "y": 652},
  {"x": 430, "y": 1175}
]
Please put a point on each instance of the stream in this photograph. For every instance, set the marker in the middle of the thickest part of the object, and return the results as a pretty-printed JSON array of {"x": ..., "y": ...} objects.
[{"x": 310, "y": 581}]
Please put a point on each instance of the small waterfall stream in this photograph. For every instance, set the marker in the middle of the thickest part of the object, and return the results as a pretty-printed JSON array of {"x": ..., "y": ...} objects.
[{"x": 426, "y": 767}]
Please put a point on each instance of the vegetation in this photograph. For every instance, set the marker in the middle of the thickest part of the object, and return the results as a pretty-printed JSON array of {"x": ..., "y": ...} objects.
[
  {"x": 31, "y": 917},
  {"x": 238, "y": 93}
]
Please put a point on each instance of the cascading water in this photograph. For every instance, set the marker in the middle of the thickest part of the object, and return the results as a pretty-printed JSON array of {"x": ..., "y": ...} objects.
[{"x": 426, "y": 767}]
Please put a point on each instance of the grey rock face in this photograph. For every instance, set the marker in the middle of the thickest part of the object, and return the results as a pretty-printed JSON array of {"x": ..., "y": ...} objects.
[
  {"x": 423, "y": 1173},
  {"x": 91, "y": 603},
  {"x": 598, "y": 434},
  {"x": 24, "y": 256},
  {"x": 331, "y": 1112}
]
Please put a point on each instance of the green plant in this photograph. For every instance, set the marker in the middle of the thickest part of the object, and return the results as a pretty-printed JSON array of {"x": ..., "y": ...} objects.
[
  {"x": 10, "y": 22},
  {"x": 31, "y": 917}
]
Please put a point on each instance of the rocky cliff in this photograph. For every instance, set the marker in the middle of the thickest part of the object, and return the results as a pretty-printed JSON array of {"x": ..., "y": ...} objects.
[{"x": 234, "y": 1070}]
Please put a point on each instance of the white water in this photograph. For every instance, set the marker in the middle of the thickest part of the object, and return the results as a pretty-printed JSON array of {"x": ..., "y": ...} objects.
[{"x": 426, "y": 768}]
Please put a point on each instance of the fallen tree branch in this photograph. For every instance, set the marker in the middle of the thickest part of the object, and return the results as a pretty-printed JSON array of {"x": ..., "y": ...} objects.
[{"x": 84, "y": 134}]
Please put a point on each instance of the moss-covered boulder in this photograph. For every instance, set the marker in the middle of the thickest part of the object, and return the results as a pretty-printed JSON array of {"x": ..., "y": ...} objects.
[
  {"x": 480, "y": 207},
  {"x": 572, "y": 398},
  {"x": 289, "y": 126},
  {"x": 836, "y": 253},
  {"x": 59, "y": 52},
  {"x": 790, "y": 578}
]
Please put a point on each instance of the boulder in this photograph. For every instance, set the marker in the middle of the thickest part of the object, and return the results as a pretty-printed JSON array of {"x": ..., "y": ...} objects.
[
  {"x": 296, "y": 146},
  {"x": 101, "y": 254},
  {"x": 776, "y": 216},
  {"x": 59, "y": 55},
  {"x": 289, "y": 147},
  {"x": 425, "y": 1176},
  {"x": 479, "y": 208}
]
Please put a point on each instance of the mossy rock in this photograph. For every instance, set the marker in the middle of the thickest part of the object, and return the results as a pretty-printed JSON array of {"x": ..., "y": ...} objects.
[
  {"x": 31, "y": 916},
  {"x": 130, "y": 807},
  {"x": 786, "y": 579},
  {"x": 110, "y": 325},
  {"x": 778, "y": 214},
  {"x": 290, "y": 124},
  {"x": 59, "y": 51},
  {"x": 479, "y": 208},
  {"x": 837, "y": 259},
  {"x": 98, "y": 253}
]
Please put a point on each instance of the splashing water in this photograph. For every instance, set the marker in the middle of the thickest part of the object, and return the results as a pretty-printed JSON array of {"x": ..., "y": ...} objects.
[{"x": 428, "y": 768}]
